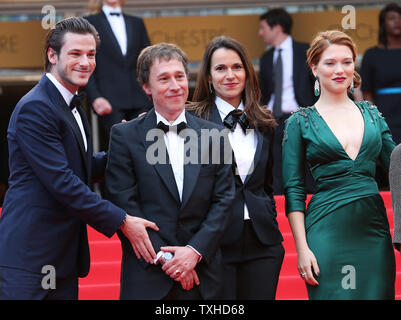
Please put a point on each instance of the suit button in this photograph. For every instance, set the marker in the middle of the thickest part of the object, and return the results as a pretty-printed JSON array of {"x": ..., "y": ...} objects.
[{"x": 179, "y": 223}]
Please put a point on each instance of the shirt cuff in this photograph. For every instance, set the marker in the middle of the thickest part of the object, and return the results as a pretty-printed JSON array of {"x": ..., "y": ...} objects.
[{"x": 196, "y": 251}]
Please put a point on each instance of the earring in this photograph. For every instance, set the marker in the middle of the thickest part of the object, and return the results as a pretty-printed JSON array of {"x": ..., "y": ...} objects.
[
  {"x": 210, "y": 88},
  {"x": 351, "y": 87},
  {"x": 317, "y": 86}
]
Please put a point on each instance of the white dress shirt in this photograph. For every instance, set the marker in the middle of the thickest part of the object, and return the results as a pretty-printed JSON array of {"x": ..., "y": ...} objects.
[
  {"x": 175, "y": 148},
  {"x": 243, "y": 145},
  {"x": 117, "y": 24},
  {"x": 67, "y": 95},
  {"x": 288, "y": 102}
]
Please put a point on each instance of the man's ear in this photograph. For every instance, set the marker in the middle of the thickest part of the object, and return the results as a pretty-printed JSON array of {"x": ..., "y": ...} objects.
[
  {"x": 277, "y": 28},
  {"x": 146, "y": 89},
  {"x": 52, "y": 56}
]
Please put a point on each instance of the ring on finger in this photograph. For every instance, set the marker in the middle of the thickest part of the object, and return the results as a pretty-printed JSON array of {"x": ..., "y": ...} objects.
[{"x": 302, "y": 274}]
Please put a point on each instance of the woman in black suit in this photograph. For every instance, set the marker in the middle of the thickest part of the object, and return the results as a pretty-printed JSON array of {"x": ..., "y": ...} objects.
[{"x": 227, "y": 92}]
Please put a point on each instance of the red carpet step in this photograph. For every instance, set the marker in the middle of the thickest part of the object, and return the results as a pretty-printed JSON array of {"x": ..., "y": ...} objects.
[{"x": 103, "y": 281}]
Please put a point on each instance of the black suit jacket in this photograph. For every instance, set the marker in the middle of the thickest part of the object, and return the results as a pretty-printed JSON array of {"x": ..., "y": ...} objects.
[
  {"x": 149, "y": 191},
  {"x": 115, "y": 76},
  {"x": 302, "y": 76},
  {"x": 256, "y": 192},
  {"x": 49, "y": 203}
]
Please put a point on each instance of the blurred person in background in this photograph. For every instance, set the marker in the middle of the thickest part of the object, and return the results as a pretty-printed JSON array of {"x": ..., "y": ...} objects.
[
  {"x": 381, "y": 76},
  {"x": 113, "y": 89},
  {"x": 285, "y": 80}
]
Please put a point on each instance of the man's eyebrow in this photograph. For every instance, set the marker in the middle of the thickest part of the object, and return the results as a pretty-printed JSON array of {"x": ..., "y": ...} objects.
[
  {"x": 167, "y": 73},
  {"x": 76, "y": 49}
]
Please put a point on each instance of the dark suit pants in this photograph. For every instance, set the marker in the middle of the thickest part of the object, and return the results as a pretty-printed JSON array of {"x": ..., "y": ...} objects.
[
  {"x": 16, "y": 284},
  {"x": 251, "y": 269},
  {"x": 178, "y": 293}
]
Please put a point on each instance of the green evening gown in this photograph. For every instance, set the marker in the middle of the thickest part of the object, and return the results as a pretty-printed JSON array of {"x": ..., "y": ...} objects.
[{"x": 346, "y": 222}]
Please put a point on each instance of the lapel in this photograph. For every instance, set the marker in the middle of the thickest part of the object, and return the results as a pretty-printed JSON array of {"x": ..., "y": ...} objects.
[
  {"x": 298, "y": 62},
  {"x": 271, "y": 62},
  {"x": 215, "y": 115},
  {"x": 191, "y": 170},
  {"x": 258, "y": 152},
  {"x": 216, "y": 118},
  {"x": 266, "y": 72},
  {"x": 111, "y": 37},
  {"x": 129, "y": 29},
  {"x": 89, "y": 152},
  {"x": 268, "y": 65},
  {"x": 60, "y": 104},
  {"x": 164, "y": 170}
]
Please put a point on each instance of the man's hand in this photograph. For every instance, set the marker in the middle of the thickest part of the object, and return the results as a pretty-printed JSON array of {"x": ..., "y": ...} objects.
[
  {"x": 188, "y": 279},
  {"x": 102, "y": 106},
  {"x": 182, "y": 266},
  {"x": 134, "y": 229}
]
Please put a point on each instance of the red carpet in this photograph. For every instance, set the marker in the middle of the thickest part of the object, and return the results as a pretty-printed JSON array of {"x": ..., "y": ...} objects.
[{"x": 103, "y": 279}]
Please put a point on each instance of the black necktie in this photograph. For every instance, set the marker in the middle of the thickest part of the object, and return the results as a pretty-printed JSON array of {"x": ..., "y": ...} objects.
[
  {"x": 117, "y": 14},
  {"x": 177, "y": 128},
  {"x": 77, "y": 100},
  {"x": 234, "y": 117},
  {"x": 278, "y": 85}
]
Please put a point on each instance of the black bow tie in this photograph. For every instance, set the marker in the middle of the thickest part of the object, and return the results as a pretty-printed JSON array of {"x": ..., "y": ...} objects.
[
  {"x": 117, "y": 14},
  {"x": 77, "y": 100},
  {"x": 234, "y": 117},
  {"x": 177, "y": 128}
]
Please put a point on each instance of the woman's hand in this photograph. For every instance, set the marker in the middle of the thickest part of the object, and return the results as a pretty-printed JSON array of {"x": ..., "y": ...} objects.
[{"x": 307, "y": 266}]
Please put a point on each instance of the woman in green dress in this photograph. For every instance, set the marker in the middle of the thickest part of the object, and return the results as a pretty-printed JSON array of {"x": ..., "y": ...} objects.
[{"x": 343, "y": 239}]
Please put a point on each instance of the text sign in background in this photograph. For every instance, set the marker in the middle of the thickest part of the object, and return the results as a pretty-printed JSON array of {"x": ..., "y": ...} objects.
[
  {"x": 21, "y": 43},
  {"x": 193, "y": 33},
  {"x": 365, "y": 34}
]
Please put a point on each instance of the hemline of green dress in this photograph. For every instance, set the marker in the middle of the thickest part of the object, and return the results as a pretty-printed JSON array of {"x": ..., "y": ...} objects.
[{"x": 346, "y": 221}]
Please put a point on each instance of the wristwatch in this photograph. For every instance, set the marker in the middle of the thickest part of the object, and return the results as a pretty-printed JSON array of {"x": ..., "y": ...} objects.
[{"x": 162, "y": 257}]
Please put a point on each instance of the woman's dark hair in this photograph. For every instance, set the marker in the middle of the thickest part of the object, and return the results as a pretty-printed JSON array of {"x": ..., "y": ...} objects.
[
  {"x": 382, "y": 21},
  {"x": 55, "y": 37},
  {"x": 204, "y": 98}
]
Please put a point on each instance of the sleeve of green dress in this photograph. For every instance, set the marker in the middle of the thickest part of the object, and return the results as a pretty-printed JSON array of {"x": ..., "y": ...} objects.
[{"x": 294, "y": 165}]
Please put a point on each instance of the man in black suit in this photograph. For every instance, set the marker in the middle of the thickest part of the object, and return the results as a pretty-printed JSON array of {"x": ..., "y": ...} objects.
[
  {"x": 155, "y": 170},
  {"x": 285, "y": 85},
  {"x": 113, "y": 89},
  {"x": 49, "y": 203}
]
